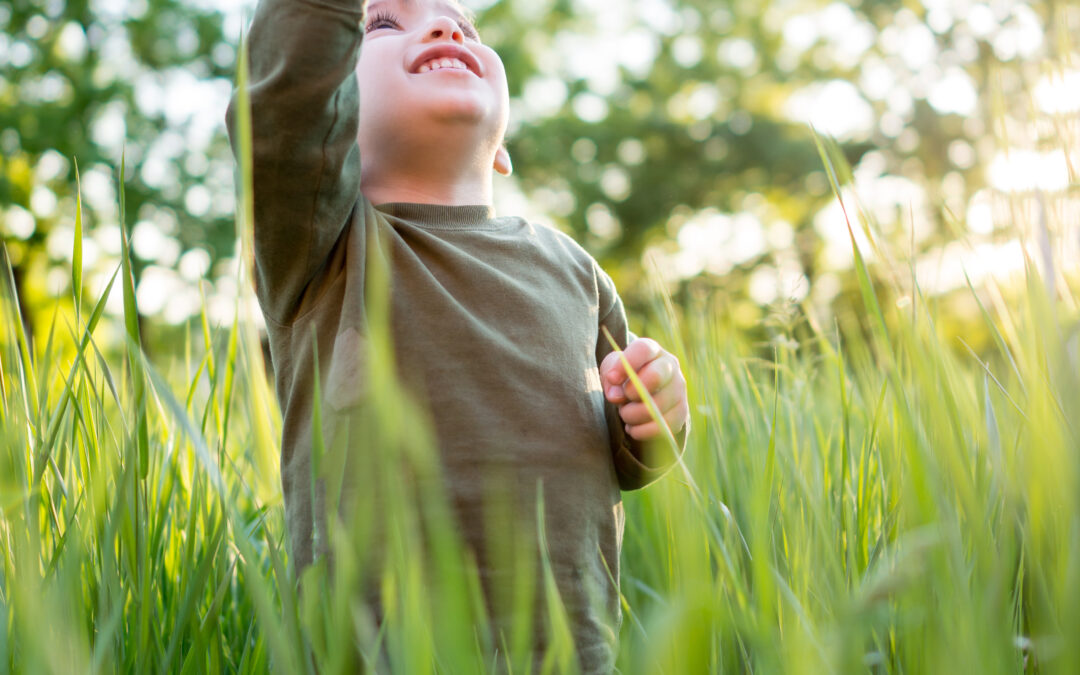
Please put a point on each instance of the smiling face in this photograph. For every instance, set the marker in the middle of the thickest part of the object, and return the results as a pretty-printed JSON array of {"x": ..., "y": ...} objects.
[{"x": 426, "y": 81}]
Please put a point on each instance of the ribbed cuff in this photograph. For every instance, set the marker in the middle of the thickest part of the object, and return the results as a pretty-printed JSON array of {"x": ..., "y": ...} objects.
[
  {"x": 638, "y": 464},
  {"x": 441, "y": 216}
]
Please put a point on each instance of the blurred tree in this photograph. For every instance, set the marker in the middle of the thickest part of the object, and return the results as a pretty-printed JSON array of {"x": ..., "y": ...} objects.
[
  {"x": 674, "y": 127},
  {"x": 691, "y": 119},
  {"x": 88, "y": 80},
  {"x": 688, "y": 117},
  {"x": 637, "y": 117}
]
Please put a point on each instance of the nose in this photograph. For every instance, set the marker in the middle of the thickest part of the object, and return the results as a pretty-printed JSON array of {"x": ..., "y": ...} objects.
[{"x": 444, "y": 28}]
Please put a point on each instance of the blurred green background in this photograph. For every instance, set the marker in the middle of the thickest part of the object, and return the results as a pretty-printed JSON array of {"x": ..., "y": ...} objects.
[
  {"x": 870, "y": 496},
  {"x": 664, "y": 135}
]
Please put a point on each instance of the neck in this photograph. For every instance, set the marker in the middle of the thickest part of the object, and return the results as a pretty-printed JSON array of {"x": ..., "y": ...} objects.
[
  {"x": 439, "y": 189},
  {"x": 418, "y": 175}
]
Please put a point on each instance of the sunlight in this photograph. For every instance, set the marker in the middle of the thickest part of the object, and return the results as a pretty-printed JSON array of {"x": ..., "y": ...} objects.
[
  {"x": 18, "y": 222},
  {"x": 835, "y": 108},
  {"x": 949, "y": 268},
  {"x": 954, "y": 93},
  {"x": 1059, "y": 93},
  {"x": 1028, "y": 170}
]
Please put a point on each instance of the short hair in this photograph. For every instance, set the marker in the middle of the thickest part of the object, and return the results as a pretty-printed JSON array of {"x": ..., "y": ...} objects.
[
  {"x": 465, "y": 11},
  {"x": 469, "y": 15}
]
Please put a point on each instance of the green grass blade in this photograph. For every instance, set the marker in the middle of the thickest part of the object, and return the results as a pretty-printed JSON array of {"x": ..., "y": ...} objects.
[{"x": 77, "y": 247}]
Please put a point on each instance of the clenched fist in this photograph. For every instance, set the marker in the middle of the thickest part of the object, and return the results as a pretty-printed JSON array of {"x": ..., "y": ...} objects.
[{"x": 659, "y": 371}]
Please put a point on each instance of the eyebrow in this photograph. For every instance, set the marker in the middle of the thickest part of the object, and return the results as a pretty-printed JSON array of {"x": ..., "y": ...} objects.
[
  {"x": 375, "y": 5},
  {"x": 409, "y": 4}
]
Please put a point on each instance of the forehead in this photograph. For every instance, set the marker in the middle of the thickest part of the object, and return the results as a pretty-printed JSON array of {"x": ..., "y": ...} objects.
[{"x": 448, "y": 6}]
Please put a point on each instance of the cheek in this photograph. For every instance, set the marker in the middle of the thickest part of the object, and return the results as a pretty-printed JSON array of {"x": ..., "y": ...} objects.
[
  {"x": 496, "y": 75},
  {"x": 503, "y": 92},
  {"x": 377, "y": 88},
  {"x": 493, "y": 65},
  {"x": 376, "y": 70},
  {"x": 367, "y": 76},
  {"x": 368, "y": 83}
]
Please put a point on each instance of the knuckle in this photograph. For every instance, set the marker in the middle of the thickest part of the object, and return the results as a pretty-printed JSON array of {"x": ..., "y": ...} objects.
[
  {"x": 673, "y": 399},
  {"x": 639, "y": 431},
  {"x": 646, "y": 377},
  {"x": 648, "y": 346},
  {"x": 670, "y": 368}
]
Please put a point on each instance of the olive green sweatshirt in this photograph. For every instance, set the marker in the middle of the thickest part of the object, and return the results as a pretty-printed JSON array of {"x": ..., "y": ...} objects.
[{"x": 495, "y": 321}]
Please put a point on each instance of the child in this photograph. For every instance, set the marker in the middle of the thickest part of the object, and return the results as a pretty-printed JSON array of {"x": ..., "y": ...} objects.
[{"x": 496, "y": 322}]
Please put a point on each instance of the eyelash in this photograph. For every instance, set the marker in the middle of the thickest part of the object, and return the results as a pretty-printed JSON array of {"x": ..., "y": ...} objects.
[
  {"x": 382, "y": 20},
  {"x": 386, "y": 20},
  {"x": 469, "y": 31}
]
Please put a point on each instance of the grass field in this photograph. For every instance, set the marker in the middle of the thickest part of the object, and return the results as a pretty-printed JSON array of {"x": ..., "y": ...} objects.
[
  {"x": 880, "y": 501},
  {"x": 873, "y": 497}
]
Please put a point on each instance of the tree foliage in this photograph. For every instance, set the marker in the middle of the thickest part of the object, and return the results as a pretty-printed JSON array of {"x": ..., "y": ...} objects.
[
  {"x": 88, "y": 82},
  {"x": 631, "y": 119}
]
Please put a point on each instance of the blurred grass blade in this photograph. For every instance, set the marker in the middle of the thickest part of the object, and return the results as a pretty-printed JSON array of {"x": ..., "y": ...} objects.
[
  {"x": 131, "y": 326},
  {"x": 77, "y": 247},
  {"x": 27, "y": 375},
  {"x": 831, "y": 160}
]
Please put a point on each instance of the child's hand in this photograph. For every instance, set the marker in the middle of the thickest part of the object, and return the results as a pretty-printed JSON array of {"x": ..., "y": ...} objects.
[{"x": 660, "y": 373}]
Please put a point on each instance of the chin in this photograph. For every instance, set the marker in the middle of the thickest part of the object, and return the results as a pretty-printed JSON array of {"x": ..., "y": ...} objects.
[{"x": 458, "y": 107}]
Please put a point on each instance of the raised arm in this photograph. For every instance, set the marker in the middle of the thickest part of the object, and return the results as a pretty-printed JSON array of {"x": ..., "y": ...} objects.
[{"x": 306, "y": 163}]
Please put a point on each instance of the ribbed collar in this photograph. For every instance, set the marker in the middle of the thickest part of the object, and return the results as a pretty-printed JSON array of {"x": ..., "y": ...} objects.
[{"x": 441, "y": 216}]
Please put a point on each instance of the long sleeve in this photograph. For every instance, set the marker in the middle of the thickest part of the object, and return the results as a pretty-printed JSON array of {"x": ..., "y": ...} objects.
[
  {"x": 637, "y": 463},
  {"x": 306, "y": 162}
]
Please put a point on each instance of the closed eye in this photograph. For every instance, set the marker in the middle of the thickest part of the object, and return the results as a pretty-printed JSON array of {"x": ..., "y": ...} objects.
[{"x": 382, "y": 20}]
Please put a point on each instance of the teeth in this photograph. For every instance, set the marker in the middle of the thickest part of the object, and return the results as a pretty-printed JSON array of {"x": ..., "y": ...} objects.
[{"x": 440, "y": 63}]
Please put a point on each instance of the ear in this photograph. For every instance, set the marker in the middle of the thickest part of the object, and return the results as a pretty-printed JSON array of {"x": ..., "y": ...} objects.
[{"x": 502, "y": 161}]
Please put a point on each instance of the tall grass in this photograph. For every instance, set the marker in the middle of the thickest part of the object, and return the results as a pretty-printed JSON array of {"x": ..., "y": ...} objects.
[{"x": 877, "y": 500}]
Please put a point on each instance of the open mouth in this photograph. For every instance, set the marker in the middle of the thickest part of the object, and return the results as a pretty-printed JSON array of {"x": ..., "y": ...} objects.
[
  {"x": 442, "y": 64},
  {"x": 446, "y": 57}
]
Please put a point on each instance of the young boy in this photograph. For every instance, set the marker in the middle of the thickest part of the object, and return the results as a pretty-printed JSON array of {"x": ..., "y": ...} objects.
[{"x": 496, "y": 322}]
